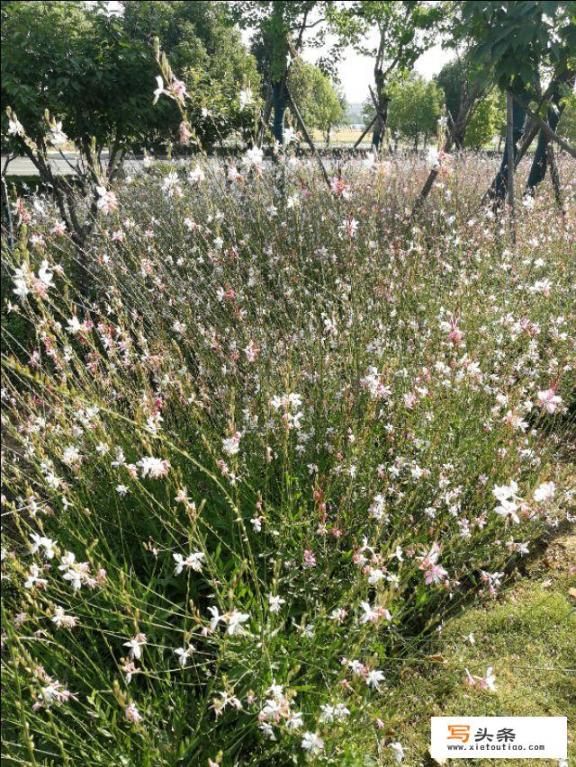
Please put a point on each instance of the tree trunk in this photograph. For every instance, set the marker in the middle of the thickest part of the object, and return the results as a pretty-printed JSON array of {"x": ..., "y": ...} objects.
[
  {"x": 500, "y": 186},
  {"x": 510, "y": 157},
  {"x": 266, "y": 112},
  {"x": 555, "y": 176},
  {"x": 381, "y": 104},
  {"x": 540, "y": 161},
  {"x": 280, "y": 102}
]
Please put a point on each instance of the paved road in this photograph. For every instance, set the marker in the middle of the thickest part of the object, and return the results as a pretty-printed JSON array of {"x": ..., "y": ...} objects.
[{"x": 21, "y": 166}]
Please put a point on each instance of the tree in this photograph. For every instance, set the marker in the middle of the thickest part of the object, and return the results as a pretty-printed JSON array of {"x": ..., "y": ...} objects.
[
  {"x": 404, "y": 32},
  {"x": 465, "y": 84},
  {"x": 279, "y": 29},
  {"x": 318, "y": 100},
  {"x": 415, "y": 107},
  {"x": 74, "y": 71},
  {"x": 206, "y": 51},
  {"x": 520, "y": 41},
  {"x": 487, "y": 121}
]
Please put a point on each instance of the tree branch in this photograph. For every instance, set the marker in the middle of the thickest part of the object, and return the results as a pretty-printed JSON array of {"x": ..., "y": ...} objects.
[{"x": 543, "y": 125}]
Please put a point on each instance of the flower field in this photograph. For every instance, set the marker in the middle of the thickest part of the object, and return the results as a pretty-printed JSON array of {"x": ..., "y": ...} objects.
[{"x": 262, "y": 439}]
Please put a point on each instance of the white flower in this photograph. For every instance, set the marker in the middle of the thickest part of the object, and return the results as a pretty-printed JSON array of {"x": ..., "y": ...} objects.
[
  {"x": 34, "y": 578},
  {"x": 337, "y": 713},
  {"x": 216, "y": 617},
  {"x": 192, "y": 562},
  {"x": 295, "y": 721},
  {"x": 45, "y": 274},
  {"x": 132, "y": 714},
  {"x": 505, "y": 492},
  {"x": 15, "y": 127},
  {"x": 398, "y": 750},
  {"x": 153, "y": 467},
  {"x": 41, "y": 542},
  {"x": 71, "y": 456},
  {"x": 159, "y": 89},
  {"x": 508, "y": 498},
  {"x": 57, "y": 135},
  {"x": 184, "y": 653},
  {"x": 196, "y": 175},
  {"x": 545, "y": 492},
  {"x": 74, "y": 325},
  {"x": 231, "y": 445},
  {"x": 136, "y": 644},
  {"x": 374, "y": 678},
  {"x": 235, "y": 619},
  {"x": 312, "y": 743},
  {"x": 253, "y": 158},
  {"x": 275, "y": 603},
  {"x": 549, "y": 400},
  {"x": 170, "y": 185},
  {"x": 61, "y": 620},
  {"x": 489, "y": 681},
  {"x": 107, "y": 200},
  {"x": 375, "y": 576},
  {"x": 508, "y": 509},
  {"x": 290, "y": 136}
]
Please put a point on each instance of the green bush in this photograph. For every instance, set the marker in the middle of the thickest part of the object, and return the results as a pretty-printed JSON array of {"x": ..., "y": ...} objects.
[{"x": 269, "y": 453}]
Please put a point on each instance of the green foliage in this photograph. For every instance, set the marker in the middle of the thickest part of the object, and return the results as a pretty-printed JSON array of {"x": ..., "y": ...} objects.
[
  {"x": 415, "y": 107},
  {"x": 487, "y": 121},
  {"x": 96, "y": 71},
  {"x": 318, "y": 101},
  {"x": 321, "y": 413},
  {"x": 277, "y": 27},
  {"x": 519, "y": 39},
  {"x": 404, "y": 29},
  {"x": 567, "y": 124}
]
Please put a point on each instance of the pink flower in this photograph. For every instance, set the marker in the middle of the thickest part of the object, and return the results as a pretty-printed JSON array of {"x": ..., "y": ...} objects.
[
  {"x": 309, "y": 558},
  {"x": 184, "y": 133},
  {"x": 107, "y": 201},
  {"x": 435, "y": 574},
  {"x": 178, "y": 89},
  {"x": 340, "y": 188},
  {"x": 132, "y": 714},
  {"x": 549, "y": 400}
]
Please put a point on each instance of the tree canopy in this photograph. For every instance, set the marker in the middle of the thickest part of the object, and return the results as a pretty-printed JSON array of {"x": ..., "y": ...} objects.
[{"x": 96, "y": 71}]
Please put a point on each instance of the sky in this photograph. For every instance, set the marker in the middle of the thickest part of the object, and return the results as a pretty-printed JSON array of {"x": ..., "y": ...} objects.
[{"x": 356, "y": 72}]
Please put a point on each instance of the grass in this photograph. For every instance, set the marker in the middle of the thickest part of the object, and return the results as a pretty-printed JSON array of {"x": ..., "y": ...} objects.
[{"x": 527, "y": 635}]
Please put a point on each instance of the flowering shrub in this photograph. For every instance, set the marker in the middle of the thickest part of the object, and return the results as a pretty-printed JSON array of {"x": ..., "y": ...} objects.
[{"x": 280, "y": 438}]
